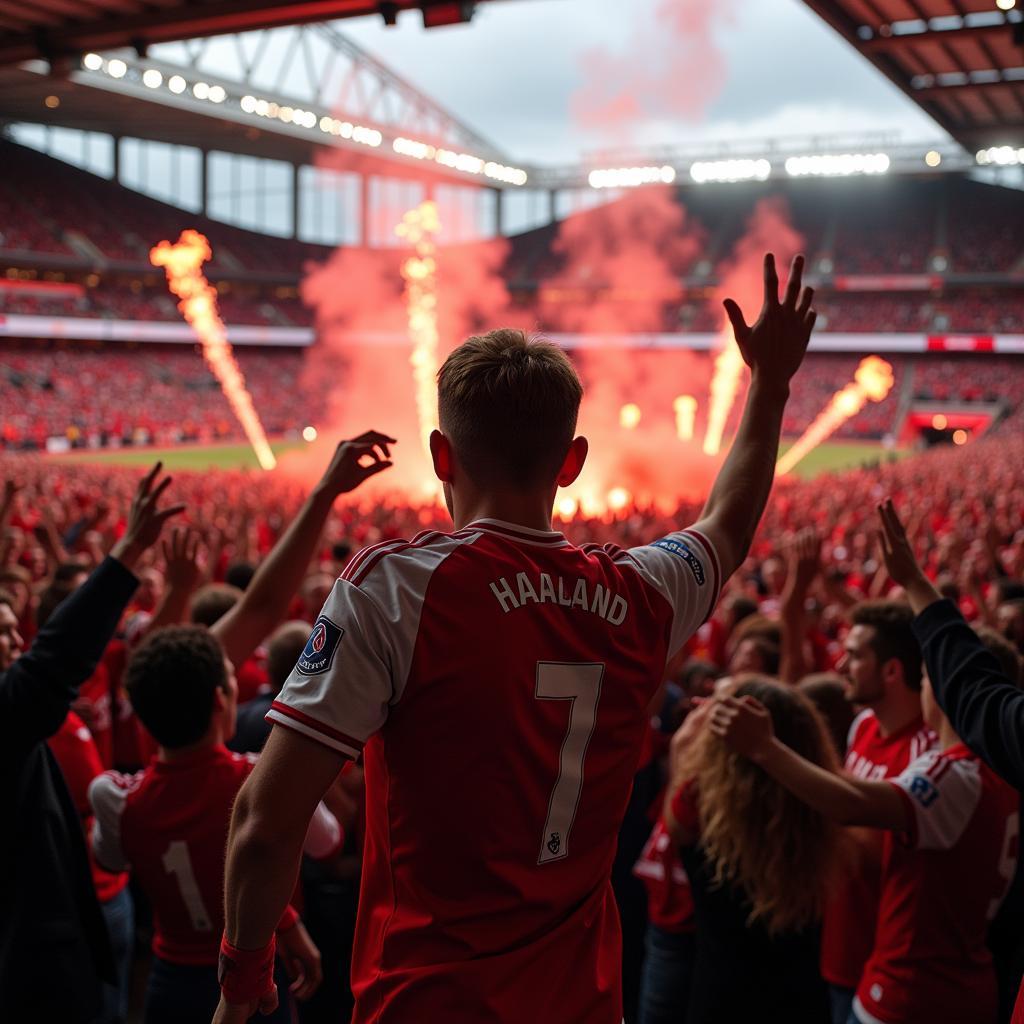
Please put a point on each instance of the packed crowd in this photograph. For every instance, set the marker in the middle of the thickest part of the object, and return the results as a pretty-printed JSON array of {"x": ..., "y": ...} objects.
[
  {"x": 102, "y": 395},
  {"x": 99, "y": 396},
  {"x": 816, "y": 607}
]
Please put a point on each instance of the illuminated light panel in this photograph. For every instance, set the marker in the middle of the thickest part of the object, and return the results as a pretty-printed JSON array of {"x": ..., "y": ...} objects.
[
  {"x": 841, "y": 165},
  {"x": 182, "y": 262},
  {"x": 92, "y": 62},
  {"x": 1001, "y": 156},
  {"x": 309, "y": 434},
  {"x": 117, "y": 68},
  {"x": 152, "y": 79},
  {"x": 419, "y": 228},
  {"x": 872, "y": 382},
  {"x": 1006, "y": 5},
  {"x": 933, "y": 158},
  {"x": 465, "y": 162},
  {"x": 630, "y": 416},
  {"x": 685, "y": 408},
  {"x": 730, "y": 170},
  {"x": 959, "y": 437},
  {"x": 939, "y": 422},
  {"x": 631, "y": 177},
  {"x": 177, "y": 84}
]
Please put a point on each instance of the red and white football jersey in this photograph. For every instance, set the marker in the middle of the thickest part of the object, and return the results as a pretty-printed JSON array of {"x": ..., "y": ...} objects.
[
  {"x": 169, "y": 825},
  {"x": 669, "y": 896},
  {"x": 941, "y": 886},
  {"x": 496, "y": 681},
  {"x": 848, "y": 930}
]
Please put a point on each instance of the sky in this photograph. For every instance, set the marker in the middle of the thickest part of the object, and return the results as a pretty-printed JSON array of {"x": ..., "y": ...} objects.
[{"x": 512, "y": 73}]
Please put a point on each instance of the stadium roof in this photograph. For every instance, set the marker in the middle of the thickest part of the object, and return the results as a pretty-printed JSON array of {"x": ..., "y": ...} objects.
[
  {"x": 52, "y": 29},
  {"x": 961, "y": 61}
]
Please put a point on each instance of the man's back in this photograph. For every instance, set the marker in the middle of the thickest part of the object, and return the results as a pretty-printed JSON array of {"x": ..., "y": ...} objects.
[
  {"x": 500, "y": 679},
  {"x": 169, "y": 824}
]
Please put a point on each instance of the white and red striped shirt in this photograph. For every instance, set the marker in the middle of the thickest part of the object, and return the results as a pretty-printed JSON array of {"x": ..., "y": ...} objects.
[
  {"x": 497, "y": 681},
  {"x": 942, "y": 884}
]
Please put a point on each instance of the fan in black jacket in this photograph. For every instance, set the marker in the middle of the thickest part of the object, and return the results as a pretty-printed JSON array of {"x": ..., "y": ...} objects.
[{"x": 54, "y": 948}]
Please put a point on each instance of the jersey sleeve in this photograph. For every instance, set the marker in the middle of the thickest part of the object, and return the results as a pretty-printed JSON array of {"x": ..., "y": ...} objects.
[
  {"x": 685, "y": 569},
  {"x": 350, "y": 672},
  {"x": 108, "y": 794},
  {"x": 941, "y": 795}
]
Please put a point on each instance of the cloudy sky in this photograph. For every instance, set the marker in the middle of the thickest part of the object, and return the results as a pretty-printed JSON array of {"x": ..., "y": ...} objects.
[{"x": 755, "y": 68}]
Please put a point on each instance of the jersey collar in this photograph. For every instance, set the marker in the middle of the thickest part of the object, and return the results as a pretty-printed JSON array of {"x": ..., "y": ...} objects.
[{"x": 515, "y": 532}]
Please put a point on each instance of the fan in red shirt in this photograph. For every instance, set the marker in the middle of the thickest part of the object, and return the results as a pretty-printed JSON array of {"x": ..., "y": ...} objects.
[
  {"x": 168, "y": 824},
  {"x": 496, "y": 682},
  {"x": 948, "y": 858},
  {"x": 881, "y": 667}
]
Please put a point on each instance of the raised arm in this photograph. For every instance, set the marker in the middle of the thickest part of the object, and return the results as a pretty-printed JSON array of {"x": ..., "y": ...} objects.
[
  {"x": 773, "y": 348},
  {"x": 804, "y": 566},
  {"x": 266, "y": 599},
  {"x": 985, "y": 708},
  {"x": 36, "y": 692},
  {"x": 745, "y": 724}
]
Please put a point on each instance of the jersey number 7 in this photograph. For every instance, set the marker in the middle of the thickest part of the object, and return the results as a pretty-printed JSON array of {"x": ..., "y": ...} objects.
[{"x": 580, "y": 684}]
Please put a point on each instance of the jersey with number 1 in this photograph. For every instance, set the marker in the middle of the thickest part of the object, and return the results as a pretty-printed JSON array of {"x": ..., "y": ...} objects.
[{"x": 496, "y": 681}]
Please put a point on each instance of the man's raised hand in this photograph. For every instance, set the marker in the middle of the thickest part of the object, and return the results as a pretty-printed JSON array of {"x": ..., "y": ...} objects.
[
  {"x": 774, "y": 346},
  {"x": 357, "y": 460},
  {"x": 146, "y": 519}
]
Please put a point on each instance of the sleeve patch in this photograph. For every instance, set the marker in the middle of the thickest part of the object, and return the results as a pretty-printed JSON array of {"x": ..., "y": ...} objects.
[
  {"x": 681, "y": 550},
  {"x": 318, "y": 654}
]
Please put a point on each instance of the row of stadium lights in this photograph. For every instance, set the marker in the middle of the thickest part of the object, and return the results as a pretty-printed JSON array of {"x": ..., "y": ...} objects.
[
  {"x": 826, "y": 165},
  {"x": 465, "y": 162}
]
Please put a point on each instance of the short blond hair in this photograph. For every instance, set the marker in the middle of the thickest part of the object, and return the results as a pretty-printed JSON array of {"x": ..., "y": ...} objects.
[{"x": 508, "y": 402}]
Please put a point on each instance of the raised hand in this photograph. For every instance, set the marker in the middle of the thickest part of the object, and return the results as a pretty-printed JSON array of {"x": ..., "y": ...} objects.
[
  {"x": 805, "y": 558},
  {"x": 774, "y": 346},
  {"x": 745, "y": 725},
  {"x": 146, "y": 519},
  {"x": 896, "y": 548},
  {"x": 348, "y": 468},
  {"x": 182, "y": 557}
]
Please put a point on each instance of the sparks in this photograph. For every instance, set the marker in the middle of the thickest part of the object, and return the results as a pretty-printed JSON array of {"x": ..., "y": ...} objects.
[
  {"x": 685, "y": 407},
  {"x": 630, "y": 416},
  {"x": 419, "y": 228},
  {"x": 182, "y": 263},
  {"x": 872, "y": 382},
  {"x": 725, "y": 382}
]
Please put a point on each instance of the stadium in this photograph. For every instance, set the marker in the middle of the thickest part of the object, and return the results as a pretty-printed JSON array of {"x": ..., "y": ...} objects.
[{"x": 232, "y": 237}]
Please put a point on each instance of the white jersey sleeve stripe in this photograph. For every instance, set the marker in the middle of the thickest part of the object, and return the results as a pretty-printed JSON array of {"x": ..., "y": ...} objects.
[
  {"x": 309, "y": 726},
  {"x": 108, "y": 794}
]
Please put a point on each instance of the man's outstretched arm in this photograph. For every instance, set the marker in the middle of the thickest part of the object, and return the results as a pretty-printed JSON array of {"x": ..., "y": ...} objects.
[
  {"x": 773, "y": 348},
  {"x": 268, "y": 828},
  {"x": 266, "y": 599}
]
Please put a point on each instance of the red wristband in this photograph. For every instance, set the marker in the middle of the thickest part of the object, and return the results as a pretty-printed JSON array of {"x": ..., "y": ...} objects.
[
  {"x": 289, "y": 919},
  {"x": 245, "y": 975}
]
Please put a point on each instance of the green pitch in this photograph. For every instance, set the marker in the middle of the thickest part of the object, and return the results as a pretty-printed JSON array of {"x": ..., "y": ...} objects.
[
  {"x": 829, "y": 457},
  {"x": 195, "y": 458}
]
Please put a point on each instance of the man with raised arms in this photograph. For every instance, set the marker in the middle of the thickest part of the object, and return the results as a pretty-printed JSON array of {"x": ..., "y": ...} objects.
[{"x": 495, "y": 681}]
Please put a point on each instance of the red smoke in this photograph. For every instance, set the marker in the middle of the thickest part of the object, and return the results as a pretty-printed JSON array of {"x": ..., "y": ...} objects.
[
  {"x": 671, "y": 68},
  {"x": 621, "y": 266}
]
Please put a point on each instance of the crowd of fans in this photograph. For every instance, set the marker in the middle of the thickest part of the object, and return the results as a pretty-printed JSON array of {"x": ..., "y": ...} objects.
[
  {"x": 784, "y": 619},
  {"x": 107, "y": 395}
]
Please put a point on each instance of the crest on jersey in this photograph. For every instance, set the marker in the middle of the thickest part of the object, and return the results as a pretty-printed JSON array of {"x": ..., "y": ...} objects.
[
  {"x": 318, "y": 654},
  {"x": 555, "y": 843},
  {"x": 680, "y": 550}
]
